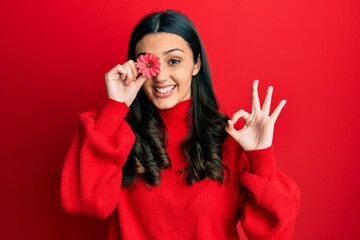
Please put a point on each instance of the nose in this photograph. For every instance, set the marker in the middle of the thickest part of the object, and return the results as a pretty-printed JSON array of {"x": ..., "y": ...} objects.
[{"x": 163, "y": 75}]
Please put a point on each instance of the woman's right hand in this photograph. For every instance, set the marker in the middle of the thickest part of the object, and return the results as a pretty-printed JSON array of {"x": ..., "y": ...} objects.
[{"x": 123, "y": 82}]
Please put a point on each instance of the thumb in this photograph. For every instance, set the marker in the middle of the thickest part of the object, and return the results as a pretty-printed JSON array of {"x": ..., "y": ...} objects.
[
  {"x": 140, "y": 81},
  {"x": 230, "y": 128}
]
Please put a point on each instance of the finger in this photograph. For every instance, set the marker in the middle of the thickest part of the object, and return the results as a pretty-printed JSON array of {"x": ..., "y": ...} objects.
[
  {"x": 140, "y": 81},
  {"x": 129, "y": 75},
  {"x": 267, "y": 101},
  {"x": 133, "y": 69},
  {"x": 232, "y": 131},
  {"x": 230, "y": 128},
  {"x": 121, "y": 71},
  {"x": 240, "y": 114},
  {"x": 255, "y": 96},
  {"x": 277, "y": 110},
  {"x": 129, "y": 70}
]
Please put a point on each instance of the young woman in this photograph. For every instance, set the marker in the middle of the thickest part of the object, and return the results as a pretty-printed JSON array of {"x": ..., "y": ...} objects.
[{"x": 163, "y": 162}]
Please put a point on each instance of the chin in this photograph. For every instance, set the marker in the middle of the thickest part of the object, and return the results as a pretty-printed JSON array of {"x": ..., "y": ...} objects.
[{"x": 164, "y": 104}]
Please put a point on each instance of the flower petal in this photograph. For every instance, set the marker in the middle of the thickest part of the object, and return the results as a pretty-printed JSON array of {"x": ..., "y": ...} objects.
[
  {"x": 141, "y": 65},
  {"x": 148, "y": 65}
]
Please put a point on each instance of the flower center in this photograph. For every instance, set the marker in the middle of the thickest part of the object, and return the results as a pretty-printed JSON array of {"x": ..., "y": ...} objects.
[{"x": 149, "y": 65}]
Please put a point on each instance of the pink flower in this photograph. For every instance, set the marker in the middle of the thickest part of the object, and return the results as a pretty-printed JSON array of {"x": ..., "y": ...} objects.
[{"x": 148, "y": 65}]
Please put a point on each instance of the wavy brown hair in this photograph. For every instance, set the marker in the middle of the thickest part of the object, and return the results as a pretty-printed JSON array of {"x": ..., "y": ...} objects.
[{"x": 203, "y": 145}]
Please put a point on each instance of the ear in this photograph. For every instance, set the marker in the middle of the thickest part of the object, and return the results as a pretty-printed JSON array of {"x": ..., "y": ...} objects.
[{"x": 197, "y": 66}]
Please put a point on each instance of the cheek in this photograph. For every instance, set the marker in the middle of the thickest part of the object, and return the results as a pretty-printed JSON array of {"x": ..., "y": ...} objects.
[
  {"x": 188, "y": 80},
  {"x": 184, "y": 76}
]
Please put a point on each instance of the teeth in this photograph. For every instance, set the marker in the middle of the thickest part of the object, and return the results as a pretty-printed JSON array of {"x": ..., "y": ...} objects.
[{"x": 165, "y": 90}]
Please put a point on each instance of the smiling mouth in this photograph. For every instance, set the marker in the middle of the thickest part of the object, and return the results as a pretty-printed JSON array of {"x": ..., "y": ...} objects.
[{"x": 164, "y": 90}]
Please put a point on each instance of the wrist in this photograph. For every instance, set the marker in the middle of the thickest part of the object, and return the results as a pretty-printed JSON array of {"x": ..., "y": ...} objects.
[
  {"x": 118, "y": 99},
  {"x": 262, "y": 161}
]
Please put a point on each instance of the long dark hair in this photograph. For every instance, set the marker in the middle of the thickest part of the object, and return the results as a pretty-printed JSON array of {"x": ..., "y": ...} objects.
[{"x": 203, "y": 145}]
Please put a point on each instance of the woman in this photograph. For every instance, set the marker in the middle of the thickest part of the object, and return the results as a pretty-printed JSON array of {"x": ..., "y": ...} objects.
[{"x": 163, "y": 162}]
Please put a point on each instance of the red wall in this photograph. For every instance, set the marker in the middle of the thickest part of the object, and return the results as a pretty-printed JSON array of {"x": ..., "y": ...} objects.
[{"x": 54, "y": 55}]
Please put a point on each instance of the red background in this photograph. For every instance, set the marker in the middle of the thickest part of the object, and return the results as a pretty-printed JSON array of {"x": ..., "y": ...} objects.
[{"x": 54, "y": 55}]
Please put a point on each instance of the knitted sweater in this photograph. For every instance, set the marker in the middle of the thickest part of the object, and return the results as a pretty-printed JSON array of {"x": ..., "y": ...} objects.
[{"x": 254, "y": 192}]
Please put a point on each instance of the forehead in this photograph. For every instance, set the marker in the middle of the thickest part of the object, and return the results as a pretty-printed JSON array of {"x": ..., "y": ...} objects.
[{"x": 158, "y": 43}]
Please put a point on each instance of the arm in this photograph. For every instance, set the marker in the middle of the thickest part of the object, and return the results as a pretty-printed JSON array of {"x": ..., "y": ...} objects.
[
  {"x": 92, "y": 172},
  {"x": 269, "y": 202},
  {"x": 91, "y": 176}
]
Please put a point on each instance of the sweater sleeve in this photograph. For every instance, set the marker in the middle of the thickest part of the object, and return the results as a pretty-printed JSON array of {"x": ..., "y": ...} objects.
[
  {"x": 92, "y": 172},
  {"x": 269, "y": 200}
]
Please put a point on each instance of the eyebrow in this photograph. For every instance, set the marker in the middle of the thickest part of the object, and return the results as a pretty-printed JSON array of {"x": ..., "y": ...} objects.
[
  {"x": 173, "y": 50},
  {"x": 166, "y": 52}
]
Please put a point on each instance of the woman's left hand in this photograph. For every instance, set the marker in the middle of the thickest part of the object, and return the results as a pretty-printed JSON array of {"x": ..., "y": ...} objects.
[{"x": 258, "y": 130}]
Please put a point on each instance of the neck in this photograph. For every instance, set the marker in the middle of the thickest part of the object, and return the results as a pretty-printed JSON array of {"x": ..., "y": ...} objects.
[{"x": 176, "y": 119}]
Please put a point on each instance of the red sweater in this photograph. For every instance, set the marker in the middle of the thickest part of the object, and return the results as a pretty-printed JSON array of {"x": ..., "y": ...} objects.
[{"x": 264, "y": 199}]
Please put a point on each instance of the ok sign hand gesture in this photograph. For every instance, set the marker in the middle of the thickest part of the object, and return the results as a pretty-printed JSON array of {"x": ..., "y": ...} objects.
[{"x": 258, "y": 130}]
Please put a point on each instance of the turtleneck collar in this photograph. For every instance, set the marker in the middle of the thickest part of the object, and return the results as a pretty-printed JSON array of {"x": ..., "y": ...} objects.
[{"x": 176, "y": 116}]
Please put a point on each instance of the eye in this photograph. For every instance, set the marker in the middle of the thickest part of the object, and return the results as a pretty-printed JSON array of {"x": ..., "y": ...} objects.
[{"x": 174, "y": 61}]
